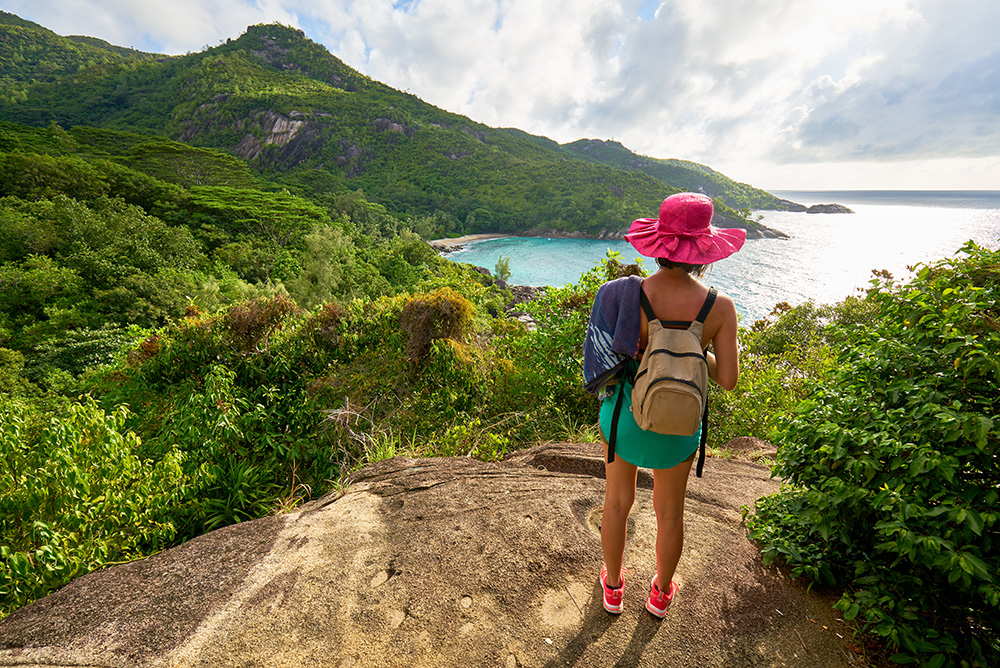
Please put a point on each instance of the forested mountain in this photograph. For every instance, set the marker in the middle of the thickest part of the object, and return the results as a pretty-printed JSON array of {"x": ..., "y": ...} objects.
[
  {"x": 683, "y": 174},
  {"x": 303, "y": 119},
  {"x": 31, "y": 54}
]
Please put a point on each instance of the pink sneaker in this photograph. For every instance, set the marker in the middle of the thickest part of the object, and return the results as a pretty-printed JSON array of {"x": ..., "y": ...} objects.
[
  {"x": 658, "y": 601},
  {"x": 612, "y": 597}
]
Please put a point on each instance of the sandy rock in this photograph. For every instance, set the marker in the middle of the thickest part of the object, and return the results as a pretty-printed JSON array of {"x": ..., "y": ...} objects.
[
  {"x": 444, "y": 562},
  {"x": 751, "y": 447},
  {"x": 442, "y": 247}
]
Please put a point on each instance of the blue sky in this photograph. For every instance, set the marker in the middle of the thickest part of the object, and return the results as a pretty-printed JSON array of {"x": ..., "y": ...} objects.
[{"x": 782, "y": 94}]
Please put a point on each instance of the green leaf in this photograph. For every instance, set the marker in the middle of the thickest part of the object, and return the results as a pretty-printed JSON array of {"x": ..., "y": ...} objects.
[
  {"x": 975, "y": 522},
  {"x": 903, "y": 657},
  {"x": 973, "y": 565},
  {"x": 936, "y": 661}
]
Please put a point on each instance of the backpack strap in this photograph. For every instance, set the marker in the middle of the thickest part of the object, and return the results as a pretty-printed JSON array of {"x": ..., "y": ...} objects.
[
  {"x": 647, "y": 308},
  {"x": 704, "y": 439},
  {"x": 707, "y": 306},
  {"x": 613, "y": 436}
]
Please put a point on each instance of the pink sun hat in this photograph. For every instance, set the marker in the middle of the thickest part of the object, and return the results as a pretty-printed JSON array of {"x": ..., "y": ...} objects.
[{"x": 684, "y": 233}]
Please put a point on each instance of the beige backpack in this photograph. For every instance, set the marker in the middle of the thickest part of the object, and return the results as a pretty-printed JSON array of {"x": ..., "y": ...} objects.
[{"x": 670, "y": 391}]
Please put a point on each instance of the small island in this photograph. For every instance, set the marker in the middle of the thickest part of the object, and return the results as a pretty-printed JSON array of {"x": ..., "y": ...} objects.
[
  {"x": 787, "y": 205},
  {"x": 828, "y": 208}
]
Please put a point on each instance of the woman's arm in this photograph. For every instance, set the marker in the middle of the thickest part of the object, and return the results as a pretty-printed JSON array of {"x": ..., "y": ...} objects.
[{"x": 724, "y": 365}]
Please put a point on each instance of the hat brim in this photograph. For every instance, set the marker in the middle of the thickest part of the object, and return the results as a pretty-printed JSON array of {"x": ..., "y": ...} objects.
[{"x": 715, "y": 245}]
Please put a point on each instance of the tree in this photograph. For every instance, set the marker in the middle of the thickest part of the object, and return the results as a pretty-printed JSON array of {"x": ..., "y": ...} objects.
[
  {"x": 326, "y": 265},
  {"x": 502, "y": 268}
]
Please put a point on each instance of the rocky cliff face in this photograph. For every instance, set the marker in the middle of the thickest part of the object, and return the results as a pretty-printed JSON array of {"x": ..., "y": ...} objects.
[
  {"x": 275, "y": 129},
  {"x": 274, "y": 54},
  {"x": 298, "y": 137}
]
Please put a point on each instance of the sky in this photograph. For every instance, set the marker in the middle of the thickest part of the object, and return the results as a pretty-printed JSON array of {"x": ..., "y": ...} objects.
[{"x": 781, "y": 94}]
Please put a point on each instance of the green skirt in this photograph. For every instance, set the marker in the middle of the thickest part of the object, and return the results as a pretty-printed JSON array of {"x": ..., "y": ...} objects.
[{"x": 638, "y": 446}]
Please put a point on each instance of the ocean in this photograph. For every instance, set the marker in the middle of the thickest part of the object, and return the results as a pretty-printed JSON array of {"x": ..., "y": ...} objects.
[{"x": 826, "y": 258}]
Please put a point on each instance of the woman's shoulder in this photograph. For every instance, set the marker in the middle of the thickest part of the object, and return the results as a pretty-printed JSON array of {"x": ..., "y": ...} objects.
[
  {"x": 724, "y": 306},
  {"x": 721, "y": 296}
]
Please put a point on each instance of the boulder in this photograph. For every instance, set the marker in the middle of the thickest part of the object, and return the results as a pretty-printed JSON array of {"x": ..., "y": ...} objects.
[
  {"x": 387, "y": 125},
  {"x": 523, "y": 293},
  {"x": 443, "y": 246},
  {"x": 482, "y": 270},
  {"x": 445, "y": 562}
]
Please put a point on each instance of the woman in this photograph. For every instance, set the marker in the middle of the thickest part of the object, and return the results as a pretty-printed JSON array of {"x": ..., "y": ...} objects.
[{"x": 683, "y": 242}]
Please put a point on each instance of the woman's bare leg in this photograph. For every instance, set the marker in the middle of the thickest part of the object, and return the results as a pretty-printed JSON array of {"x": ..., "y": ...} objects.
[
  {"x": 669, "y": 489},
  {"x": 619, "y": 494}
]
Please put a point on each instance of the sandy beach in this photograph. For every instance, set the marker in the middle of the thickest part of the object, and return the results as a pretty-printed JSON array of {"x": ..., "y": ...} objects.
[
  {"x": 448, "y": 245},
  {"x": 468, "y": 238}
]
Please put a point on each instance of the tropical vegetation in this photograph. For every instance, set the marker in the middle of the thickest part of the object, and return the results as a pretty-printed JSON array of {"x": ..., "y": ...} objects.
[
  {"x": 890, "y": 466},
  {"x": 216, "y": 301}
]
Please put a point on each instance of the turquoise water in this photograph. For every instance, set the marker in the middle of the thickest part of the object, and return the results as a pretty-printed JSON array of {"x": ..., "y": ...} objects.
[{"x": 827, "y": 257}]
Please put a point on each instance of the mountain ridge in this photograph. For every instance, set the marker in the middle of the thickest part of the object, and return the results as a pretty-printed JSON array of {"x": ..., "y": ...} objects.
[
  {"x": 310, "y": 124},
  {"x": 686, "y": 174}
]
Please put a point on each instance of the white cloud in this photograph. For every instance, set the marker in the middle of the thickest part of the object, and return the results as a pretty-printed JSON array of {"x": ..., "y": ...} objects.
[
  {"x": 518, "y": 63},
  {"x": 780, "y": 88}
]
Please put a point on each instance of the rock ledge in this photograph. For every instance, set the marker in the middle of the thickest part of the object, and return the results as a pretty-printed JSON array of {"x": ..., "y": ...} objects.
[{"x": 444, "y": 562}]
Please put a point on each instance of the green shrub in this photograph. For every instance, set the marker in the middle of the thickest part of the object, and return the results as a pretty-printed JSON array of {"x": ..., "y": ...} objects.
[
  {"x": 779, "y": 356},
  {"x": 233, "y": 392},
  {"x": 76, "y": 498},
  {"x": 252, "y": 322},
  {"x": 502, "y": 269},
  {"x": 894, "y": 472},
  {"x": 12, "y": 380},
  {"x": 769, "y": 386},
  {"x": 442, "y": 314}
]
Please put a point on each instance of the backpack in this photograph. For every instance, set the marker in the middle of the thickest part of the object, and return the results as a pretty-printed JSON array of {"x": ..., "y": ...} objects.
[{"x": 670, "y": 389}]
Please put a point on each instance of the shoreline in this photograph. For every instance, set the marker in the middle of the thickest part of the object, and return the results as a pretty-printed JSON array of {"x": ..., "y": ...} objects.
[
  {"x": 452, "y": 244},
  {"x": 468, "y": 238},
  {"x": 754, "y": 229},
  {"x": 455, "y": 243}
]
